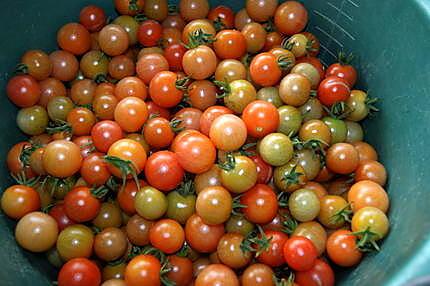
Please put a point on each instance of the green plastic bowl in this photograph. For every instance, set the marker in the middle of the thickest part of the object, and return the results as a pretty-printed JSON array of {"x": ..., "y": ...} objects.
[{"x": 391, "y": 40}]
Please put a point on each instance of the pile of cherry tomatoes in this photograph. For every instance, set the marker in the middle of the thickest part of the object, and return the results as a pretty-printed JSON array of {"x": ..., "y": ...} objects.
[{"x": 191, "y": 145}]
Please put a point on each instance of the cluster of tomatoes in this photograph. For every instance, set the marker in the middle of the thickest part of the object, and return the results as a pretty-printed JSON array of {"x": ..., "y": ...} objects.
[{"x": 193, "y": 147}]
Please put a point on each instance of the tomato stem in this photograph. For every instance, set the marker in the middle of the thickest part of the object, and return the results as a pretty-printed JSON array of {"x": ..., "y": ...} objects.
[
  {"x": 269, "y": 25},
  {"x": 237, "y": 206},
  {"x": 21, "y": 179},
  {"x": 21, "y": 69},
  {"x": 293, "y": 177},
  {"x": 224, "y": 88},
  {"x": 59, "y": 126},
  {"x": 174, "y": 125},
  {"x": 343, "y": 215},
  {"x": 132, "y": 5},
  {"x": 366, "y": 240},
  {"x": 198, "y": 38},
  {"x": 230, "y": 162},
  {"x": 140, "y": 17},
  {"x": 345, "y": 59},
  {"x": 218, "y": 24},
  {"x": 125, "y": 167},
  {"x": 289, "y": 225}
]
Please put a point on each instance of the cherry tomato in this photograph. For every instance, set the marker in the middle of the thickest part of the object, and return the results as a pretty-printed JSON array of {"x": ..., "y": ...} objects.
[
  {"x": 65, "y": 66},
  {"x": 214, "y": 205},
  {"x": 371, "y": 170},
  {"x": 333, "y": 89},
  {"x": 158, "y": 132},
  {"x": 202, "y": 237},
  {"x": 217, "y": 274},
  {"x": 265, "y": 69},
  {"x": 343, "y": 71},
  {"x": 163, "y": 171},
  {"x": 300, "y": 253},
  {"x": 149, "y": 33},
  {"x": 230, "y": 44},
  {"x": 113, "y": 40},
  {"x": 127, "y": 150},
  {"x": 261, "y": 118},
  {"x": 342, "y": 248},
  {"x": 255, "y": 36},
  {"x": 150, "y": 203},
  {"x": 23, "y": 90},
  {"x": 167, "y": 235},
  {"x": 321, "y": 274},
  {"x": 62, "y": 158},
  {"x": 19, "y": 200},
  {"x": 149, "y": 65},
  {"x": 174, "y": 54},
  {"x": 241, "y": 19},
  {"x": 195, "y": 151},
  {"x": 104, "y": 106},
  {"x": 164, "y": 89},
  {"x": 155, "y": 110},
  {"x": 105, "y": 133},
  {"x": 131, "y": 113},
  {"x": 230, "y": 253},
  {"x": 342, "y": 158},
  {"x": 130, "y": 86},
  {"x": 261, "y": 204},
  {"x": 79, "y": 272},
  {"x": 94, "y": 170},
  {"x": 291, "y": 17},
  {"x": 74, "y": 38},
  {"x": 261, "y": 11},
  {"x": 199, "y": 63},
  {"x": 92, "y": 17},
  {"x": 228, "y": 132},
  {"x": 294, "y": 89},
  {"x": 274, "y": 255},
  {"x": 257, "y": 275},
  {"x": 137, "y": 230},
  {"x": 129, "y": 7},
  {"x": 368, "y": 194},
  {"x": 110, "y": 244},
  {"x": 81, "y": 120},
  {"x": 75, "y": 241},
  {"x": 143, "y": 270},
  {"x": 222, "y": 17},
  {"x": 81, "y": 205},
  {"x": 230, "y": 70},
  {"x": 38, "y": 64},
  {"x": 14, "y": 161}
]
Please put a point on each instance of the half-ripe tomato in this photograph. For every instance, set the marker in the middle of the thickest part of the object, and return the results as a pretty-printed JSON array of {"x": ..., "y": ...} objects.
[
  {"x": 209, "y": 115},
  {"x": 149, "y": 33},
  {"x": 58, "y": 212},
  {"x": 155, "y": 110},
  {"x": 261, "y": 118},
  {"x": 368, "y": 194},
  {"x": 222, "y": 17},
  {"x": 321, "y": 274},
  {"x": 261, "y": 204},
  {"x": 333, "y": 89},
  {"x": 126, "y": 196},
  {"x": 19, "y": 200},
  {"x": 167, "y": 235},
  {"x": 79, "y": 272},
  {"x": 143, "y": 270},
  {"x": 291, "y": 17},
  {"x": 300, "y": 253},
  {"x": 342, "y": 248},
  {"x": 195, "y": 151},
  {"x": 265, "y": 69},
  {"x": 23, "y": 90},
  {"x": 343, "y": 71},
  {"x": 230, "y": 44},
  {"x": 85, "y": 144},
  {"x": 163, "y": 171},
  {"x": 165, "y": 89},
  {"x": 127, "y": 150},
  {"x": 62, "y": 158},
  {"x": 313, "y": 61},
  {"x": 202, "y": 237},
  {"x": 130, "y": 86},
  {"x": 199, "y": 63},
  {"x": 105, "y": 133},
  {"x": 149, "y": 65},
  {"x": 131, "y": 113},
  {"x": 94, "y": 170},
  {"x": 274, "y": 254},
  {"x": 174, "y": 54},
  {"x": 228, "y": 132},
  {"x": 264, "y": 170},
  {"x": 81, "y": 205}
]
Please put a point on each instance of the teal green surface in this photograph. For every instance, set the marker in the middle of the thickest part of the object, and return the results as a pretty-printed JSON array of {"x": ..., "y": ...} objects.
[{"x": 391, "y": 40}]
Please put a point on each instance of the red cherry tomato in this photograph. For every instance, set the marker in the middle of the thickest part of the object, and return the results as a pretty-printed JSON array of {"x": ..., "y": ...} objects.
[
  {"x": 149, "y": 33},
  {"x": 222, "y": 17},
  {"x": 209, "y": 115},
  {"x": 58, "y": 212},
  {"x": 333, "y": 89},
  {"x": 105, "y": 133},
  {"x": 320, "y": 274},
  {"x": 261, "y": 204},
  {"x": 274, "y": 255},
  {"x": 164, "y": 91},
  {"x": 156, "y": 110},
  {"x": 79, "y": 272},
  {"x": 346, "y": 72},
  {"x": 81, "y": 205},
  {"x": 174, "y": 54},
  {"x": 163, "y": 171},
  {"x": 300, "y": 253},
  {"x": 23, "y": 90},
  {"x": 261, "y": 118},
  {"x": 264, "y": 69}
]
